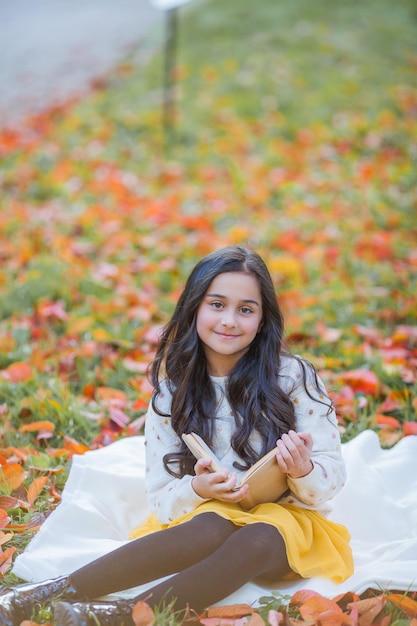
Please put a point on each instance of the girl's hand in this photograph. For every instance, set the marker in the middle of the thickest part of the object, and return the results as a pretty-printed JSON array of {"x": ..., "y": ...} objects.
[
  {"x": 294, "y": 454},
  {"x": 216, "y": 485}
]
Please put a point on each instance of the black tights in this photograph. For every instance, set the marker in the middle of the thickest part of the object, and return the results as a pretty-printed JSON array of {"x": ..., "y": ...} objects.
[{"x": 212, "y": 556}]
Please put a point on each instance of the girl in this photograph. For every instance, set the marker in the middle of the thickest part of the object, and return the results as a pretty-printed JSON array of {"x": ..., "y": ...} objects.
[{"x": 221, "y": 371}]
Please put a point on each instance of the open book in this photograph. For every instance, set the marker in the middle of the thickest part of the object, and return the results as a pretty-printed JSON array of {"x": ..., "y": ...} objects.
[{"x": 266, "y": 481}]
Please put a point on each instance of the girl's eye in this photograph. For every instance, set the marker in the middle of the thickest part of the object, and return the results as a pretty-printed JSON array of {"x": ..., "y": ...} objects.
[
  {"x": 246, "y": 310},
  {"x": 217, "y": 305}
]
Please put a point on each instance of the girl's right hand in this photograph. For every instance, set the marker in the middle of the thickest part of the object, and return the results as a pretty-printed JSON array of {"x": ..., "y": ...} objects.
[{"x": 216, "y": 485}]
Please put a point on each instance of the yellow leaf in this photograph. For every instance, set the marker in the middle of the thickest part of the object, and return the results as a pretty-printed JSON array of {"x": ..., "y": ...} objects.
[
  {"x": 80, "y": 325},
  {"x": 102, "y": 335}
]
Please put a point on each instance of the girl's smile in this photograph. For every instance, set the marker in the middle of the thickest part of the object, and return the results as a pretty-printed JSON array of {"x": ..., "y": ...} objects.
[{"x": 228, "y": 319}]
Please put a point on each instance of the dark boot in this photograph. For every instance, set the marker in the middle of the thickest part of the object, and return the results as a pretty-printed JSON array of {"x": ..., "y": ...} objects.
[
  {"x": 17, "y": 603},
  {"x": 117, "y": 613}
]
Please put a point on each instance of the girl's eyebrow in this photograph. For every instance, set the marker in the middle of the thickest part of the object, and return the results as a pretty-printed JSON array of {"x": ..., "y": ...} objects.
[{"x": 219, "y": 295}]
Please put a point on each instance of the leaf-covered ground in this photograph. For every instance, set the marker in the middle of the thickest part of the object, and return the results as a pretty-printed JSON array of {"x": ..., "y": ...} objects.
[{"x": 295, "y": 133}]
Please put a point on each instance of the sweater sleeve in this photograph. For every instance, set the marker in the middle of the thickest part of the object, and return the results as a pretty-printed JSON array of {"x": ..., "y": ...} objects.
[
  {"x": 168, "y": 497},
  {"x": 328, "y": 474}
]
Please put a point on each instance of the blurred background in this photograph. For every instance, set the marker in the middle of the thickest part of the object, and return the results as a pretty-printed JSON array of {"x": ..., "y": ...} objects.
[{"x": 53, "y": 49}]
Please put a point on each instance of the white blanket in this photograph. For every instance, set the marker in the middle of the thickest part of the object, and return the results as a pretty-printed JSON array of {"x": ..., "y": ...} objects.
[{"x": 104, "y": 499}]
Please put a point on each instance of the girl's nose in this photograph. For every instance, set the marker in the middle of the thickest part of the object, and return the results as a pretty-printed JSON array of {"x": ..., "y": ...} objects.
[{"x": 228, "y": 319}]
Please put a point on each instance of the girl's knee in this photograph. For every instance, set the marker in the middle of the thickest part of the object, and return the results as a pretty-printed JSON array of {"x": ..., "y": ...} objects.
[
  {"x": 213, "y": 524},
  {"x": 265, "y": 539}
]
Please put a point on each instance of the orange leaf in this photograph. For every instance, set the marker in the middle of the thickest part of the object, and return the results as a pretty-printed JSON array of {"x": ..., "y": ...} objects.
[
  {"x": 231, "y": 611},
  {"x": 142, "y": 614},
  {"x": 255, "y": 620},
  {"x": 140, "y": 404},
  {"x": 108, "y": 393},
  {"x": 4, "y": 518},
  {"x": 368, "y": 609},
  {"x": 386, "y": 420},
  {"x": 404, "y": 335},
  {"x": 6, "y": 560},
  {"x": 410, "y": 428},
  {"x": 35, "y": 426},
  {"x": 89, "y": 390},
  {"x": 302, "y": 596},
  {"x": 11, "y": 476},
  {"x": 9, "y": 502},
  {"x": 36, "y": 487},
  {"x": 222, "y": 621},
  {"x": 389, "y": 436},
  {"x": 18, "y": 372},
  {"x": 73, "y": 446},
  {"x": 323, "y": 610},
  {"x": 362, "y": 381},
  {"x": 405, "y": 603},
  {"x": 5, "y": 537}
]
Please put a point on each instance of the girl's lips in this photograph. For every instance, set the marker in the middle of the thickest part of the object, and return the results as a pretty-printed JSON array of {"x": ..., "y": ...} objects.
[{"x": 226, "y": 335}]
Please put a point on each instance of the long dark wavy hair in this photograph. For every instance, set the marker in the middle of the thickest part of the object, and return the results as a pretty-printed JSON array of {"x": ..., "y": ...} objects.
[{"x": 253, "y": 391}]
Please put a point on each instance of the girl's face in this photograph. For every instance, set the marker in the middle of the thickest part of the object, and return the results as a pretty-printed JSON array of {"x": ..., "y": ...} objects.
[{"x": 228, "y": 319}]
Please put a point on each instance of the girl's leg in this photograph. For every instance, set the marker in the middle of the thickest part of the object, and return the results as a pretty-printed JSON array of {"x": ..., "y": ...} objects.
[
  {"x": 154, "y": 556},
  {"x": 253, "y": 551}
]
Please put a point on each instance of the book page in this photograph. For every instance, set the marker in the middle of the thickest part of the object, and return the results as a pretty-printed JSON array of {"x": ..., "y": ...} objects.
[{"x": 202, "y": 451}]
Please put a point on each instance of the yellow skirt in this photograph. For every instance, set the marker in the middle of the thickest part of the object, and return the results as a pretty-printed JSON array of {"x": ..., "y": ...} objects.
[{"x": 315, "y": 545}]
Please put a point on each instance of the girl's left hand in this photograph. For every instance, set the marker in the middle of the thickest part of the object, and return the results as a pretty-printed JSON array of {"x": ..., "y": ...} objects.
[{"x": 294, "y": 454}]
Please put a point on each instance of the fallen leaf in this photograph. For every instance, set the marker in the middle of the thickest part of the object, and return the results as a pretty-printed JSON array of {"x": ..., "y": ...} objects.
[
  {"x": 275, "y": 618},
  {"x": 408, "y": 605},
  {"x": 410, "y": 428},
  {"x": 5, "y": 537},
  {"x": 142, "y": 614},
  {"x": 18, "y": 372},
  {"x": 369, "y": 609},
  {"x": 231, "y": 611},
  {"x": 35, "y": 488},
  {"x": 44, "y": 425},
  {"x": 386, "y": 420},
  {"x": 12, "y": 476},
  {"x": 362, "y": 381},
  {"x": 324, "y": 611},
  {"x": 6, "y": 560}
]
